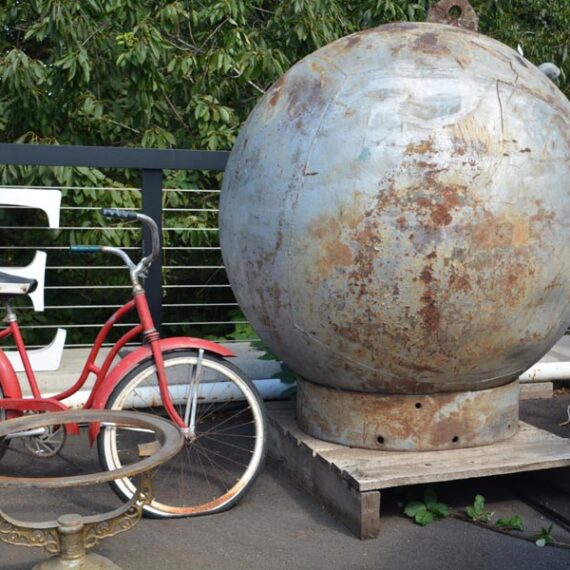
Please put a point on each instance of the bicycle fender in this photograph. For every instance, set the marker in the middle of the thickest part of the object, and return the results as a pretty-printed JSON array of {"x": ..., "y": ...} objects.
[
  {"x": 133, "y": 359},
  {"x": 8, "y": 379}
]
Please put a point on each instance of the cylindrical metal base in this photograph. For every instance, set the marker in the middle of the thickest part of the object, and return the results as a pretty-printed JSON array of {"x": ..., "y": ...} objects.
[{"x": 425, "y": 422}]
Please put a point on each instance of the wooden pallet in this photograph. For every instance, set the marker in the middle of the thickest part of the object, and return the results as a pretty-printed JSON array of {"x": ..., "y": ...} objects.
[{"x": 349, "y": 481}]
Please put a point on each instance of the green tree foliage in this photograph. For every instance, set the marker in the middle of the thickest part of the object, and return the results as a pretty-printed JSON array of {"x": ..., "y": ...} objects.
[
  {"x": 541, "y": 27},
  {"x": 186, "y": 74}
]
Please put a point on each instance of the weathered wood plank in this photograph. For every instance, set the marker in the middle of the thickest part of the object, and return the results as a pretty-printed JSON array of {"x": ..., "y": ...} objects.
[
  {"x": 527, "y": 450},
  {"x": 347, "y": 478},
  {"x": 359, "y": 511},
  {"x": 531, "y": 449}
]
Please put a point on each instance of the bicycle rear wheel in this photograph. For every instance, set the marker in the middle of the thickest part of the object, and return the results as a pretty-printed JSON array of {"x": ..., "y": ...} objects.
[{"x": 224, "y": 450}]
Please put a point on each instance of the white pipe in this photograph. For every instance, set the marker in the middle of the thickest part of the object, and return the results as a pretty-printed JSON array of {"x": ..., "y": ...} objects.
[
  {"x": 546, "y": 372},
  {"x": 273, "y": 388},
  {"x": 269, "y": 389}
]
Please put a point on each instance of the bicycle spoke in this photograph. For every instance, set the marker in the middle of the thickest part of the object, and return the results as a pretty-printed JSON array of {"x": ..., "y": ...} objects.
[
  {"x": 230, "y": 460},
  {"x": 219, "y": 466},
  {"x": 203, "y": 470},
  {"x": 227, "y": 428},
  {"x": 232, "y": 445},
  {"x": 241, "y": 411}
]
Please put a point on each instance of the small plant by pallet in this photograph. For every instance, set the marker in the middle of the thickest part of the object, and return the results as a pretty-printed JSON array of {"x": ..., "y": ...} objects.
[{"x": 425, "y": 511}]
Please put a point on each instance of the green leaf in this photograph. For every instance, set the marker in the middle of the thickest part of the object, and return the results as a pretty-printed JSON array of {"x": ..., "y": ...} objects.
[
  {"x": 440, "y": 510},
  {"x": 413, "y": 508},
  {"x": 479, "y": 504},
  {"x": 513, "y": 523},
  {"x": 423, "y": 518},
  {"x": 544, "y": 537},
  {"x": 471, "y": 513}
]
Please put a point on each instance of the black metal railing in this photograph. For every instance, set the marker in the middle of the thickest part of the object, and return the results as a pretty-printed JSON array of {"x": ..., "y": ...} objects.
[{"x": 151, "y": 162}]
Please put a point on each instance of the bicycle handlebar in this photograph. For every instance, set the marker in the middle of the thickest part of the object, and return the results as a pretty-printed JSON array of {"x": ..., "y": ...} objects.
[
  {"x": 119, "y": 214},
  {"x": 127, "y": 215},
  {"x": 147, "y": 221},
  {"x": 155, "y": 239},
  {"x": 148, "y": 258},
  {"x": 85, "y": 248}
]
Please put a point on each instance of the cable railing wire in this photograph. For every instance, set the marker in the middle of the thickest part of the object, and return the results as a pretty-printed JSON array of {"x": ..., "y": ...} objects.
[{"x": 171, "y": 213}]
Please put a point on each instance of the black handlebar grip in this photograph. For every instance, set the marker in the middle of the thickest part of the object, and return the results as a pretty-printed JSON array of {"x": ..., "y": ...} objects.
[
  {"x": 85, "y": 248},
  {"x": 119, "y": 214}
]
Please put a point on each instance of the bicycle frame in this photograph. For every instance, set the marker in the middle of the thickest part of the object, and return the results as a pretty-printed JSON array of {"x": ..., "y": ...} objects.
[
  {"x": 106, "y": 378},
  {"x": 89, "y": 367}
]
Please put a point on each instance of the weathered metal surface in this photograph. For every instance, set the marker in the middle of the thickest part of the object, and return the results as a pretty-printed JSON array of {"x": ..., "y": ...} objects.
[
  {"x": 455, "y": 13},
  {"x": 166, "y": 433},
  {"x": 408, "y": 422},
  {"x": 394, "y": 214}
]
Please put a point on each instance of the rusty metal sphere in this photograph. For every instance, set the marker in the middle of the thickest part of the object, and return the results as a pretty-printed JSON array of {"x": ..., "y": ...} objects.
[{"x": 395, "y": 214}]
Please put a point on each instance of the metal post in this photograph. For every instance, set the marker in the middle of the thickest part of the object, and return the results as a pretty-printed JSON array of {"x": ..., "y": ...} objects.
[{"x": 152, "y": 206}]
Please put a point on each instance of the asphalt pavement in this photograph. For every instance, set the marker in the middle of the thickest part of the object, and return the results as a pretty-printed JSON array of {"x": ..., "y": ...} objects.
[{"x": 280, "y": 526}]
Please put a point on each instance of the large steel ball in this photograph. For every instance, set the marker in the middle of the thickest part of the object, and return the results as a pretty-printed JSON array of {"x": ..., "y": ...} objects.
[{"x": 395, "y": 214}]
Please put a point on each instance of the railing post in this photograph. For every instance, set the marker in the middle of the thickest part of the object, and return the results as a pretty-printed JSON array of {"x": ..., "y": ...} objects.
[{"x": 152, "y": 206}]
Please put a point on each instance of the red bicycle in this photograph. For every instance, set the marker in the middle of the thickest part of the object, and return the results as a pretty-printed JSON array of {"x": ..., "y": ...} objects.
[{"x": 188, "y": 380}]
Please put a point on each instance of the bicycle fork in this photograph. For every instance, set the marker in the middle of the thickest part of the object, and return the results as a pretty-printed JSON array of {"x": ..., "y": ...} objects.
[{"x": 152, "y": 336}]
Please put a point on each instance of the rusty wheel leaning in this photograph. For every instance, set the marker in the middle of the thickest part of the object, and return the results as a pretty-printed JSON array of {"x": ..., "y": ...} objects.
[{"x": 226, "y": 441}]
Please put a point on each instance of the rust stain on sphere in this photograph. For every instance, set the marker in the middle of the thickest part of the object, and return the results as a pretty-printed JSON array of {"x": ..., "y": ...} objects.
[{"x": 394, "y": 215}]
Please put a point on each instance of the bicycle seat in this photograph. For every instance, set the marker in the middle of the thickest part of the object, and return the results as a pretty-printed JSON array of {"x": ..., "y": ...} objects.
[{"x": 11, "y": 286}]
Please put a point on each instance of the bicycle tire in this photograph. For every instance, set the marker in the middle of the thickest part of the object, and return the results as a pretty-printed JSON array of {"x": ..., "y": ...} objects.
[{"x": 213, "y": 472}]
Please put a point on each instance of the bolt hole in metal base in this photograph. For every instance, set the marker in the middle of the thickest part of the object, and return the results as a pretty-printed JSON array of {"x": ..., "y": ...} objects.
[{"x": 414, "y": 422}]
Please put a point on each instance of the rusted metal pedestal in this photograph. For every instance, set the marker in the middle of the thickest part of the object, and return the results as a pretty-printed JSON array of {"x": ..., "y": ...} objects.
[
  {"x": 71, "y": 535},
  {"x": 408, "y": 422},
  {"x": 349, "y": 481}
]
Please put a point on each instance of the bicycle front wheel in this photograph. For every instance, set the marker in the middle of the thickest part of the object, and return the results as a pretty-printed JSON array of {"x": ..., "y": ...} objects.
[{"x": 225, "y": 443}]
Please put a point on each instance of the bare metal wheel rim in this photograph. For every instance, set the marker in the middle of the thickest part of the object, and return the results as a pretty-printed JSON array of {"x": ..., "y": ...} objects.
[
  {"x": 166, "y": 433},
  {"x": 159, "y": 508}
]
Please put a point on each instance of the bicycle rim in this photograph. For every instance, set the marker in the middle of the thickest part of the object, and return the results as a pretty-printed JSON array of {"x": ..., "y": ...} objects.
[{"x": 215, "y": 469}]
